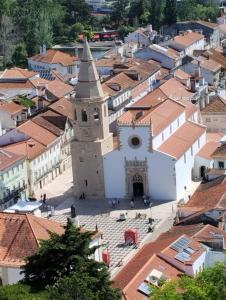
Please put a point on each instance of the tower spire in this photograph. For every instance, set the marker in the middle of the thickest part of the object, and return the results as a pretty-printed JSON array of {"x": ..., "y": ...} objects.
[{"x": 88, "y": 86}]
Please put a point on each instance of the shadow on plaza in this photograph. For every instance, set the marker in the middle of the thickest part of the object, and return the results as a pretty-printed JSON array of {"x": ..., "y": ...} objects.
[{"x": 94, "y": 207}]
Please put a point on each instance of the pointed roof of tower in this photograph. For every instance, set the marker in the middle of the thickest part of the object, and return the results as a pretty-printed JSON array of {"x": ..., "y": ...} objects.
[{"x": 88, "y": 86}]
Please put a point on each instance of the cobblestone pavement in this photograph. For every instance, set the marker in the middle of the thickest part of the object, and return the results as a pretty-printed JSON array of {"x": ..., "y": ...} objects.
[{"x": 113, "y": 233}]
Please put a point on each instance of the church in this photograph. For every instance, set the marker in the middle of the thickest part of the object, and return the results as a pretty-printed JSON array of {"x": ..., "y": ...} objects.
[{"x": 154, "y": 152}]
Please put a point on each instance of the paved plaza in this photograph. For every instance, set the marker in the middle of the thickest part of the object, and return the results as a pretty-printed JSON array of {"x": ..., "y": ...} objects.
[{"x": 101, "y": 213}]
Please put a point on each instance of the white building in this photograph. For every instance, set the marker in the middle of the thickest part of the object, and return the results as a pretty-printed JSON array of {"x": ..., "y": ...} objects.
[
  {"x": 187, "y": 42},
  {"x": 13, "y": 178},
  {"x": 142, "y": 36},
  {"x": 11, "y": 114},
  {"x": 155, "y": 148},
  {"x": 167, "y": 57},
  {"x": 51, "y": 59}
]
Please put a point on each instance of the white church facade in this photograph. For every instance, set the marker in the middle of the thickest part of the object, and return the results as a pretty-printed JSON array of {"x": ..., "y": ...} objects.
[{"x": 153, "y": 154}]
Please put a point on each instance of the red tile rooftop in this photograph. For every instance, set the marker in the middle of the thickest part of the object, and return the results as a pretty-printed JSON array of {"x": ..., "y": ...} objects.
[{"x": 178, "y": 143}]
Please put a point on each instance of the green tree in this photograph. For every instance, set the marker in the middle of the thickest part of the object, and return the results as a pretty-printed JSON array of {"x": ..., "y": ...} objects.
[
  {"x": 139, "y": 10},
  {"x": 120, "y": 12},
  {"x": 170, "y": 12},
  {"x": 209, "y": 284},
  {"x": 82, "y": 286},
  {"x": 63, "y": 259},
  {"x": 21, "y": 292},
  {"x": 157, "y": 13},
  {"x": 19, "y": 57}
]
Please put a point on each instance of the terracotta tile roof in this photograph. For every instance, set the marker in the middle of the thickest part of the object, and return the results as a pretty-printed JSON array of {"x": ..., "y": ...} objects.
[
  {"x": 38, "y": 133},
  {"x": 163, "y": 72},
  {"x": 174, "y": 89},
  {"x": 55, "y": 57},
  {"x": 188, "y": 38},
  {"x": 17, "y": 73},
  {"x": 30, "y": 148},
  {"x": 208, "y": 64},
  {"x": 39, "y": 82},
  {"x": 126, "y": 275},
  {"x": 11, "y": 107},
  {"x": 179, "y": 142},
  {"x": 180, "y": 74},
  {"x": 190, "y": 108},
  {"x": 220, "y": 151},
  {"x": 214, "y": 136},
  {"x": 155, "y": 263},
  {"x": 145, "y": 68},
  {"x": 16, "y": 85},
  {"x": 20, "y": 235},
  {"x": 64, "y": 107},
  {"x": 208, "y": 149},
  {"x": 210, "y": 234},
  {"x": 216, "y": 105},
  {"x": 171, "y": 253},
  {"x": 51, "y": 121},
  {"x": 59, "y": 89},
  {"x": 121, "y": 80},
  {"x": 208, "y": 196},
  {"x": 8, "y": 159},
  {"x": 216, "y": 56},
  {"x": 160, "y": 114}
]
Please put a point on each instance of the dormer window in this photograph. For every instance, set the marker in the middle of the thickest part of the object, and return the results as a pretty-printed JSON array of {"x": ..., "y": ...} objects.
[{"x": 84, "y": 115}]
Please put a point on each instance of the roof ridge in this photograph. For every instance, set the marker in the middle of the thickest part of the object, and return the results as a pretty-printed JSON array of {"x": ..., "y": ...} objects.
[
  {"x": 8, "y": 249},
  {"x": 55, "y": 52},
  {"x": 28, "y": 219}
]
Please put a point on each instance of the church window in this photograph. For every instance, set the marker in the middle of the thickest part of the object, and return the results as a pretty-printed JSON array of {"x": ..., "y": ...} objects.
[
  {"x": 86, "y": 182},
  {"x": 96, "y": 113},
  {"x": 135, "y": 142},
  {"x": 84, "y": 116}
]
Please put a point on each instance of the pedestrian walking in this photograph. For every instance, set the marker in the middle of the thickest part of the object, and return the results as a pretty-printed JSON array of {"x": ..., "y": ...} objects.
[
  {"x": 132, "y": 203},
  {"x": 44, "y": 198}
]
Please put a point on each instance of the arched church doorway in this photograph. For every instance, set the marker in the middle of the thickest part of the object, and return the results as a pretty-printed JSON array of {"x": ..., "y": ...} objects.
[{"x": 138, "y": 186}]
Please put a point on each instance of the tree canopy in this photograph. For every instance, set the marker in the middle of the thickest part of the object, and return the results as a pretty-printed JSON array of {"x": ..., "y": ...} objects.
[
  {"x": 210, "y": 284},
  {"x": 66, "y": 260}
]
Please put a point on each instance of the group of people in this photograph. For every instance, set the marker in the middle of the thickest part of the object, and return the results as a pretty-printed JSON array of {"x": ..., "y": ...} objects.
[
  {"x": 146, "y": 200},
  {"x": 114, "y": 202},
  {"x": 82, "y": 197}
]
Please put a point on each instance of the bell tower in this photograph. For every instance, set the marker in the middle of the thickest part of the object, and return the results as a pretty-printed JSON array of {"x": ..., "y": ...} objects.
[{"x": 92, "y": 138}]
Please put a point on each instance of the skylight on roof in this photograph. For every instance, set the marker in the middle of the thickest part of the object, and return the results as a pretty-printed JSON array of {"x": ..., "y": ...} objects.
[
  {"x": 145, "y": 289},
  {"x": 183, "y": 256}
]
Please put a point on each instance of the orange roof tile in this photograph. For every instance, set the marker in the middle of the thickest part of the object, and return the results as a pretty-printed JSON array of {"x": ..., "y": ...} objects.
[
  {"x": 180, "y": 74},
  {"x": 207, "y": 150},
  {"x": 117, "y": 84},
  {"x": 55, "y": 57},
  {"x": 160, "y": 115},
  {"x": 30, "y": 148},
  {"x": 188, "y": 38},
  {"x": 11, "y": 107},
  {"x": 59, "y": 89},
  {"x": 214, "y": 136},
  {"x": 8, "y": 159},
  {"x": 64, "y": 107},
  {"x": 37, "y": 133},
  {"x": 174, "y": 89},
  {"x": 20, "y": 235},
  {"x": 208, "y": 196},
  {"x": 17, "y": 73},
  {"x": 178, "y": 143},
  {"x": 216, "y": 105}
]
